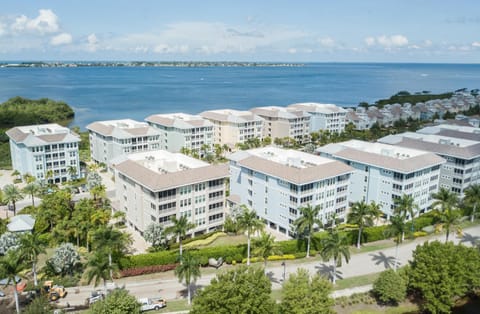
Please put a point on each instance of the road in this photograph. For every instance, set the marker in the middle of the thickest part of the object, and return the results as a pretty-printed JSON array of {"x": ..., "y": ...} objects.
[{"x": 168, "y": 287}]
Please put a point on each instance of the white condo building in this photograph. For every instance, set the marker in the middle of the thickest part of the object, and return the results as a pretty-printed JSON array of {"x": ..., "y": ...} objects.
[
  {"x": 234, "y": 126},
  {"x": 324, "y": 116},
  {"x": 180, "y": 130},
  {"x": 462, "y": 155},
  {"x": 283, "y": 122},
  {"x": 385, "y": 172},
  {"x": 153, "y": 187},
  {"x": 47, "y": 151},
  {"x": 114, "y": 138},
  {"x": 277, "y": 182}
]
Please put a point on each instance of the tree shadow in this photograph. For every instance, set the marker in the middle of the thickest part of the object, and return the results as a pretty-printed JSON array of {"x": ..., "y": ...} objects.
[
  {"x": 327, "y": 271},
  {"x": 184, "y": 292},
  {"x": 271, "y": 277},
  {"x": 381, "y": 258},
  {"x": 468, "y": 238}
]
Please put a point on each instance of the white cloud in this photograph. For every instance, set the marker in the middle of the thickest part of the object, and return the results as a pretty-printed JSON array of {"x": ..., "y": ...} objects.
[
  {"x": 370, "y": 41},
  {"x": 427, "y": 43},
  {"x": 92, "y": 42},
  {"x": 164, "y": 48},
  {"x": 476, "y": 44},
  {"x": 292, "y": 51},
  {"x": 45, "y": 22},
  {"x": 61, "y": 39},
  {"x": 327, "y": 42}
]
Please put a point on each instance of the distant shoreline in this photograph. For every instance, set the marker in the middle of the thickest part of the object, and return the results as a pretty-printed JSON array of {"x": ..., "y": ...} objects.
[{"x": 75, "y": 64}]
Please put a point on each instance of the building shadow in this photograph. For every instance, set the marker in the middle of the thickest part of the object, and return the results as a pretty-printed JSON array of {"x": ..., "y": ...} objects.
[
  {"x": 380, "y": 258},
  {"x": 327, "y": 271},
  {"x": 468, "y": 238}
]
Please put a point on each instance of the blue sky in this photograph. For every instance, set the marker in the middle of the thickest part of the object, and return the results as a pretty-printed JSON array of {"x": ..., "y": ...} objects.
[{"x": 262, "y": 30}]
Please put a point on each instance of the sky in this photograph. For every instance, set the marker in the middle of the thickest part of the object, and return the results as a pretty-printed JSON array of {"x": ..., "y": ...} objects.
[{"x": 436, "y": 31}]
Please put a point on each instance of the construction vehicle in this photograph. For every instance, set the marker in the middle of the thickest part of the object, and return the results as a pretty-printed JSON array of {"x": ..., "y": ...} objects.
[{"x": 53, "y": 292}]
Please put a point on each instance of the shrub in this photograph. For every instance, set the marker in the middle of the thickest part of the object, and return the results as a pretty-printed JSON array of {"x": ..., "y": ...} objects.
[
  {"x": 417, "y": 234},
  {"x": 228, "y": 260},
  {"x": 390, "y": 287},
  {"x": 423, "y": 221},
  {"x": 146, "y": 270},
  {"x": 280, "y": 257},
  {"x": 205, "y": 241},
  {"x": 196, "y": 238}
]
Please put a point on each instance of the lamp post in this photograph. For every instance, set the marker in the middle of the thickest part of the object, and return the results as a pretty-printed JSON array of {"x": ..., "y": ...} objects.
[{"x": 284, "y": 266}]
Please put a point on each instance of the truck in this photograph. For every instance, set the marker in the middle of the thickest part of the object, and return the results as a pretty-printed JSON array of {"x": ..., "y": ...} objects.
[{"x": 148, "y": 304}]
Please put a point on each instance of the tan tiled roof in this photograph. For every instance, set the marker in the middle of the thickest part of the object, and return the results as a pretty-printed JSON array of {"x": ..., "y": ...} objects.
[
  {"x": 160, "y": 120},
  {"x": 406, "y": 165},
  {"x": 52, "y": 137},
  {"x": 293, "y": 174},
  {"x": 16, "y": 135},
  {"x": 155, "y": 181},
  {"x": 100, "y": 128},
  {"x": 138, "y": 131}
]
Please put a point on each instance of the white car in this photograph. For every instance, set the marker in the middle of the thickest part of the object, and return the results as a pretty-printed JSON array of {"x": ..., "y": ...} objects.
[{"x": 149, "y": 304}]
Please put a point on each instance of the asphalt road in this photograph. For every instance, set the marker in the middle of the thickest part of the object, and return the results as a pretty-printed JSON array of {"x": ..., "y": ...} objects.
[{"x": 165, "y": 285}]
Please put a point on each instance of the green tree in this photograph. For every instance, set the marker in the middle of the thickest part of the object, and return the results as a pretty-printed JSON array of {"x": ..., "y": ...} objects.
[
  {"x": 472, "y": 198},
  {"x": 445, "y": 203},
  {"x": 335, "y": 246},
  {"x": 181, "y": 226},
  {"x": 264, "y": 246},
  {"x": 11, "y": 266},
  {"x": 390, "y": 287},
  {"x": 65, "y": 259},
  {"x": 38, "y": 306},
  {"x": 119, "y": 301},
  {"x": 189, "y": 271},
  {"x": 32, "y": 189},
  {"x": 155, "y": 234},
  {"x": 242, "y": 290},
  {"x": 442, "y": 272},
  {"x": 32, "y": 245},
  {"x": 100, "y": 269},
  {"x": 302, "y": 294},
  {"x": 12, "y": 194},
  {"x": 248, "y": 222},
  {"x": 397, "y": 228},
  {"x": 112, "y": 241},
  {"x": 406, "y": 205},
  {"x": 360, "y": 214},
  {"x": 306, "y": 221}
]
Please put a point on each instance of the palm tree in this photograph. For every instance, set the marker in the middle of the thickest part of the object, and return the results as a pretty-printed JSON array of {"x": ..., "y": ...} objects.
[
  {"x": 188, "y": 270},
  {"x": 98, "y": 191},
  {"x": 472, "y": 197},
  {"x": 335, "y": 246},
  {"x": 180, "y": 228},
  {"x": 404, "y": 206},
  {"x": 376, "y": 211},
  {"x": 100, "y": 269},
  {"x": 445, "y": 203},
  {"x": 11, "y": 266},
  {"x": 305, "y": 223},
  {"x": 360, "y": 214},
  {"x": 32, "y": 245},
  {"x": 28, "y": 178},
  {"x": 264, "y": 247},
  {"x": 111, "y": 240},
  {"x": 72, "y": 172},
  {"x": 397, "y": 229},
  {"x": 12, "y": 195},
  {"x": 248, "y": 222},
  {"x": 32, "y": 189}
]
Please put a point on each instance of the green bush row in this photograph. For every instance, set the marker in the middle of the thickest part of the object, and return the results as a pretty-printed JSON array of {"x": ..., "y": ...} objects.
[{"x": 188, "y": 240}]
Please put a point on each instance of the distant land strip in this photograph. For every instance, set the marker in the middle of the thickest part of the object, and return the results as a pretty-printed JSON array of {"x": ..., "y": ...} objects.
[{"x": 74, "y": 64}]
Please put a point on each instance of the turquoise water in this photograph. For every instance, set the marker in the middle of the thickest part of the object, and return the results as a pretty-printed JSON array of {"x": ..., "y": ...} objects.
[{"x": 101, "y": 93}]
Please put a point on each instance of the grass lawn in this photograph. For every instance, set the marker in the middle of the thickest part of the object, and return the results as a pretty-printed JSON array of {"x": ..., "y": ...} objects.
[
  {"x": 174, "y": 306},
  {"x": 229, "y": 240}
]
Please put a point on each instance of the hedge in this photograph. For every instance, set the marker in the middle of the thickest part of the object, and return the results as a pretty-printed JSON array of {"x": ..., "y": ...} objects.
[
  {"x": 176, "y": 245},
  {"x": 145, "y": 270}
]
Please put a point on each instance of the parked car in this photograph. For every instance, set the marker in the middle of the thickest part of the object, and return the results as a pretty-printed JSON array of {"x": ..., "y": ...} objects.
[
  {"x": 95, "y": 296},
  {"x": 149, "y": 304},
  {"x": 2, "y": 294}
]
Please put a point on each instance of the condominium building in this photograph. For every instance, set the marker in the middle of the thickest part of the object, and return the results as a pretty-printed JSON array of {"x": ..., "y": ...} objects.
[
  {"x": 462, "y": 155},
  {"x": 114, "y": 138},
  {"x": 153, "y": 187},
  {"x": 180, "y": 130},
  {"x": 327, "y": 117},
  {"x": 384, "y": 172},
  {"x": 283, "y": 122},
  {"x": 452, "y": 130},
  {"x": 277, "y": 182},
  {"x": 234, "y": 126},
  {"x": 47, "y": 152}
]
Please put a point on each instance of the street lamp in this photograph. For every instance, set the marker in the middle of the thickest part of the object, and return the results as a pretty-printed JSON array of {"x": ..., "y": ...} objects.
[{"x": 284, "y": 266}]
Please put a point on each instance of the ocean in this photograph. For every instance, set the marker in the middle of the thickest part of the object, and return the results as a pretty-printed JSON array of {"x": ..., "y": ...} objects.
[{"x": 104, "y": 93}]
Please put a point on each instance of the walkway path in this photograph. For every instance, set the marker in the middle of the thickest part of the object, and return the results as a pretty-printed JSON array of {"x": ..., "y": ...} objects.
[{"x": 167, "y": 286}]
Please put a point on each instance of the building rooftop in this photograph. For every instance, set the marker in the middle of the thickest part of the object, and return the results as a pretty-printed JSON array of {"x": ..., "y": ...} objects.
[
  {"x": 449, "y": 130},
  {"x": 125, "y": 128},
  {"x": 21, "y": 223},
  {"x": 230, "y": 115},
  {"x": 439, "y": 144},
  {"x": 385, "y": 156},
  {"x": 280, "y": 112},
  {"x": 179, "y": 120},
  {"x": 317, "y": 107},
  {"x": 35, "y": 135},
  {"x": 290, "y": 165},
  {"x": 160, "y": 170}
]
